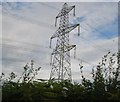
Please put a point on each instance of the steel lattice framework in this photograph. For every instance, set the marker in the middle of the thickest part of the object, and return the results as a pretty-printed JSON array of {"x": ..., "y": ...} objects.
[{"x": 60, "y": 57}]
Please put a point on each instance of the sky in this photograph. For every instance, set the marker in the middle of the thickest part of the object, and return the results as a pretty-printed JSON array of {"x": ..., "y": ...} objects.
[
  {"x": 59, "y": 0},
  {"x": 28, "y": 26}
]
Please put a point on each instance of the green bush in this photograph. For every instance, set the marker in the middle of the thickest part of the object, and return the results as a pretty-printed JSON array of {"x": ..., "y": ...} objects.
[{"x": 104, "y": 87}]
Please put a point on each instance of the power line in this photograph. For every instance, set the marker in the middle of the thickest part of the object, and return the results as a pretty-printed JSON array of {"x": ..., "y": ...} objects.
[
  {"x": 39, "y": 23},
  {"x": 83, "y": 60},
  {"x": 52, "y": 7},
  {"x": 88, "y": 39},
  {"x": 26, "y": 50},
  {"x": 26, "y": 43},
  {"x": 93, "y": 42},
  {"x": 37, "y": 45},
  {"x": 48, "y": 24},
  {"x": 95, "y": 46},
  {"x": 96, "y": 30},
  {"x": 17, "y": 61}
]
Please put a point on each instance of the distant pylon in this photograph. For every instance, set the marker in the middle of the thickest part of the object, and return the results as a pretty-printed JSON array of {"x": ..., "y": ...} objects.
[{"x": 60, "y": 57}]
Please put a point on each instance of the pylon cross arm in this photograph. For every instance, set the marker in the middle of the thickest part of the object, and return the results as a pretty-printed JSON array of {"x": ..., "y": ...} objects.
[
  {"x": 66, "y": 50},
  {"x": 66, "y": 31},
  {"x": 71, "y": 47},
  {"x": 65, "y": 11},
  {"x": 61, "y": 65},
  {"x": 70, "y": 28}
]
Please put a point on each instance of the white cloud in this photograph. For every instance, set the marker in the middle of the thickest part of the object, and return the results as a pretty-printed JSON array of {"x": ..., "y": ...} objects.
[
  {"x": 29, "y": 35},
  {"x": 60, "y": 0}
]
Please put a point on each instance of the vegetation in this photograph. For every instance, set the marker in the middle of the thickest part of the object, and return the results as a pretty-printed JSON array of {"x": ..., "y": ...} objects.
[{"x": 104, "y": 85}]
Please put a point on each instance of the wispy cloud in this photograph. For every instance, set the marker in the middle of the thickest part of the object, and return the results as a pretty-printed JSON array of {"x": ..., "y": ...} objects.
[
  {"x": 60, "y": 0},
  {"x": 27, "y": 28}
]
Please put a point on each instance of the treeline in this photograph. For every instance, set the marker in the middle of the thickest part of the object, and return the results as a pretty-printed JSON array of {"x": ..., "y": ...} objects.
[{"x": 104, "y": 85}]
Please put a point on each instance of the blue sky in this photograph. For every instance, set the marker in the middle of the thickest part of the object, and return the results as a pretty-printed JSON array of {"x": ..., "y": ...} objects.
[{"x": 27, "y": 28}]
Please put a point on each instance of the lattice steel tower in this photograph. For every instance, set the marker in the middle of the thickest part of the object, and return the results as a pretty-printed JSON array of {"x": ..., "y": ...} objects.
[{"x": 60, "y": 57}]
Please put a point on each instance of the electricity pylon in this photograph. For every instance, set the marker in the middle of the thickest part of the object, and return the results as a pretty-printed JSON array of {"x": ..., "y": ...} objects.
[{"x": 61, "y": 66}]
